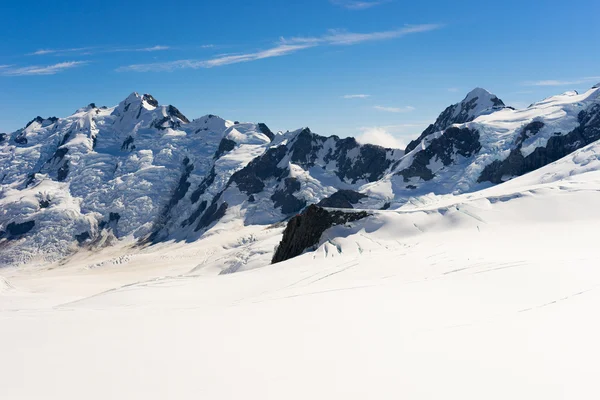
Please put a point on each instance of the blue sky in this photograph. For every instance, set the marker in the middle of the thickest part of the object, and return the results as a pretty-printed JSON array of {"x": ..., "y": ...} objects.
[{"x": 342, "y": 67}]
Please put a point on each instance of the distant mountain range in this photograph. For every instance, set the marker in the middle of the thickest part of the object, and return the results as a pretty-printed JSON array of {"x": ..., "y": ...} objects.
[{"x": 145, "y": 173}]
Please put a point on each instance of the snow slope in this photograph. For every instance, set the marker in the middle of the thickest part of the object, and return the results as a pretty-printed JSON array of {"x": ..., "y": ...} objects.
[
  {"x": 481, "y": 295},
  {"x": 142, "y": 174}
]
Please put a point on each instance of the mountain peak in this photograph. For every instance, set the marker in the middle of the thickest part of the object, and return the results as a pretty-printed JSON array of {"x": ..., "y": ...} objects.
[
  {"x": 484, "y": 98},
  {"x": 477, "y": 102}
]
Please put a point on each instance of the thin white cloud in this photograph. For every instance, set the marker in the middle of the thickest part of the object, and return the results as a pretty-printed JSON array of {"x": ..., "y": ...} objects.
[
  {"x": 356, "y": 96},
  {"x": 357, "y": 4},
  {"x": 339, "y": 37},
  {"x": 153, "y": 48},
  {"x": 395, "y": 109},
  {"x": 284, "y": 47},
  {"x": 453, "y": 90},
  {"x": 93, "y": 50},
  {"x": 41, "y": 69},
  {"x": 277, "y": 51},
  {"x": 43, "y": 52},
  {"x": 556, "y": 82},
  {"x": 381, "y": 137}
]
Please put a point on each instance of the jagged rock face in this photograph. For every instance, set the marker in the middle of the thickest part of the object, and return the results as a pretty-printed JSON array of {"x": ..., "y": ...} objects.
[
  {"x": 557, "y": 147},
  {"x": 144, "y": 171},
  {"x": 265, "y": 130},
  {"x": 284, "y": 198},
  {"x": 305, "y": 230},
  {"x": 476, "y": 103},
  {"x": 282, "y": 177},
  {"x": 342, "y": 199},
  {"x": 128, "y": 160},
  {"x": 454, "y": 141}
]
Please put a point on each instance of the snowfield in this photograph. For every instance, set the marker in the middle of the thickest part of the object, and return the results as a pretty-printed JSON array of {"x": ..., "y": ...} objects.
[{"x": 484, "y": 295}]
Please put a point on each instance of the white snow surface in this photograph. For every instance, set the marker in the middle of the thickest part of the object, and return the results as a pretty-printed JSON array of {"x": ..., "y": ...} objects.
[
  {"x": 498, "y": 133},
  {"x": 490, "y": 294},
  {"x": 127, "y": 162}
]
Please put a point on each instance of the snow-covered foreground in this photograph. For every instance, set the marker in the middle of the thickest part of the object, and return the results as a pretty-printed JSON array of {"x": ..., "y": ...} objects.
[{"x": 491, "y": 295}]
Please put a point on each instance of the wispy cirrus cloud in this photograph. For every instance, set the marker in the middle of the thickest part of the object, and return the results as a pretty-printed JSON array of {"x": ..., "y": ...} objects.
[
  {"x": 358, "y": 4},
  {"x": 556, "y": 82},
  {"x": 96, "y": 50},
  {"x": 356, "y": 96},
  {"x": 43, "y": 52},
  {"x": 281, "y": 48},
  {"x": 341, "y": 37},
  {"x": 40, "y": 69},
  {"x": 277, "y": 51},
  {"x": 395, "y": 109}
]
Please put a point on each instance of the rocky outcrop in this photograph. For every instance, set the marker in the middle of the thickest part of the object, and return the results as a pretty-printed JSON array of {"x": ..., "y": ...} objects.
[
  {"x": 265, "y": 130},
  {"x": 557, "y": 147},
  {"x": 342, "y": 199},
  {"x": 477, "y": 102},
  {"x": 225, "y": 146},
  {"x": 284, "y": 198},
  {"x": 461, "y": 141},
  {"x": 305, "y": 230}
]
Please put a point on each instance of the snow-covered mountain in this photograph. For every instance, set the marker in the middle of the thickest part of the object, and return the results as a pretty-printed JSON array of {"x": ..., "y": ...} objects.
[{"x": 144, "y": 173}]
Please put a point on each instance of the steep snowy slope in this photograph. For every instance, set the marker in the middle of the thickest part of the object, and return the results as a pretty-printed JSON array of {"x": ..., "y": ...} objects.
[
  {"x": 145, "y": 173},
  {"x": 481, "y": 295},
  {"x": 492, "y": 148},
  {"x": 105, "y": 173}
]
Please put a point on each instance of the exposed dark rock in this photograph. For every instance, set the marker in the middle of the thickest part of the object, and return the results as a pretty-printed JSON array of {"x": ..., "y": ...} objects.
[
  {"x": 82, "y": 237},
  {"x": 150, "y": 100},
  {"x": 250, "y": 178},
  {"x": 63, "y": 172},
  {"x": 127, "y": 143},
  {"x": 304, "y": 231},
  {"x": 411, "y": 187},
  {"x": 65, "y": 139},
  {"x": 306, "y": 147},
  {"x": 113, "y": 221},
  {"x": 20, "y": 138},
  {"x": 370, "y": 164},
  {"x": 285, "y": 198},
  {"x": 59, "y": 154},
  {"x": 45, "y": 203},
  {"x": 558, "y": 146},
  {"x": 212, "y": 214},
  {"x": 528, "y": 131},
  {"x": 174, "y": 112},
  {"x": 386, "y": 206},
  {"x": 182, "y": 187},
  {"x": 3, "y": 137},
  {"x": 196, "y": 214},
  {"x": 451, "y": 116},
  {"x": 205, "y": 184},
  {"x": 92, "y": 105},
  {"x": 342, "y": 199},
  {"x": 114, "y": 217},
  {"x": 37, "y": 119},
  {"x": 159, "y": 124},
  {"x": 251, "y": 198},
  {"x": 461, "y": 141},
  {"x": 14, "y": 229},
  {"x": 265, "y": 130},
  {"x": 225, "y": 146}
]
